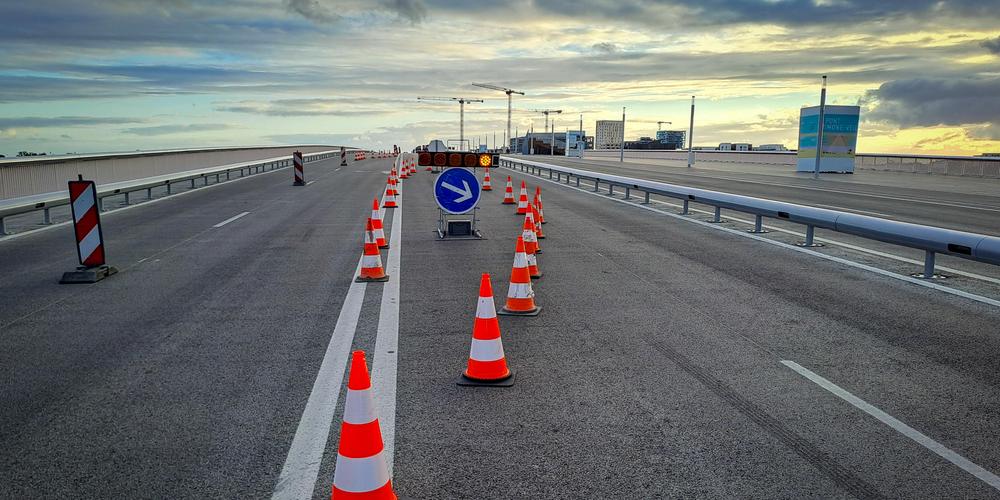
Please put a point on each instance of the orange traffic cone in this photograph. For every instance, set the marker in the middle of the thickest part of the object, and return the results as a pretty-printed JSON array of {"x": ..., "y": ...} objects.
[
  {"x": 520, "y": 296},
  {"x": 377, "y": 225},
  {"x": 404, "y": 172},
  {"x": 538, "y": 201},
  {"x": 508, "y": 195},
  {"x": 530, "y": 246},
  {"x": 389, "y": 199},
  {"x": 361, "y": 470},
  {"x": 487, "y": 185},
  {"x": 522, "y": 200},
  {"x": 536, "y": 215},
  {"x": 487, "y": 364},
  {"x": 371, "y": 261}
]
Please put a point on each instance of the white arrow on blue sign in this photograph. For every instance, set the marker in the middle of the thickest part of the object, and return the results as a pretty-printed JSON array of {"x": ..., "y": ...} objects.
[{"x": 456, "y": 190}]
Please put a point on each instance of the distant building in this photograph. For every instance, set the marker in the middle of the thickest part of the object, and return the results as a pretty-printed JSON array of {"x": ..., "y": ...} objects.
[
  {"x": 608, "y": 134},
  {"x": 991, "y": 155},
  {"x": 540, "y": 142},
  {"x": 735, "y": 146},
  {"x": 771, "y": 147},
  {"x": 671, "y": 137}
]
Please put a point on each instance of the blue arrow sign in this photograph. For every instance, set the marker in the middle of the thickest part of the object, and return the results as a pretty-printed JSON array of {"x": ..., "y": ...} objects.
[{"x": 456, "y": 190}]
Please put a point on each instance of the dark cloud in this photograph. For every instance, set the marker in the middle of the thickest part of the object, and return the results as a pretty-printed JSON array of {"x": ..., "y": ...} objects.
[
  {"x": 992, "y": 45},
  {"x": 314, "y": 10},
  {"x": 346, "y": 106},
  {"x": 606, "y": 48},
  {"x": 177, "y": 129},
  {"x": 412, "y": 10},
  {"x": 925, "y": 102}
]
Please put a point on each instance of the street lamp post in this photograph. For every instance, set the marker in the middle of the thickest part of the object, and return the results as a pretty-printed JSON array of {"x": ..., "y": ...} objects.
[
  {"x": 691, "y": 136},
  {"x": 819, "y": 129},
  {"x": 621, "y": 157}
]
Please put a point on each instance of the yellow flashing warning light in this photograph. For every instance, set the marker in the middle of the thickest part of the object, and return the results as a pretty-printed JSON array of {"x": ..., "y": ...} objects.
[{"x": 485, "y": 160}]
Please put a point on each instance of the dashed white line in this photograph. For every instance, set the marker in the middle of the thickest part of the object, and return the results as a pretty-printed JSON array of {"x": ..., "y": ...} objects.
[
  {"x": 387, "y": 340},
  {"x": 922, "y": 439},
  {"x": 298, "y": 476},
  {"x": 845, "y": 209},
  {"x": 227, "y": 221},
  {"x": 310, "y": 182}
]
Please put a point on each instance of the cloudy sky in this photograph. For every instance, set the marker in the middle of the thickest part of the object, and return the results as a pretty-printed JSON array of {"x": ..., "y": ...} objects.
[{"x": 113, "y": 75}]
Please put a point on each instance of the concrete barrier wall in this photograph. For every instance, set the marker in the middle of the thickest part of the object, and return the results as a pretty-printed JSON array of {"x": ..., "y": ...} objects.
[
  {"x": 38, "y": 175},
  {"x": 963, "y": 166}
]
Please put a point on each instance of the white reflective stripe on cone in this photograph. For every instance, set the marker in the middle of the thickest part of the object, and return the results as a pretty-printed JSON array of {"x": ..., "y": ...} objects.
[
  {"x": 359, "y": 407},
  {"x": 90, "y": 242},
  {"x": 520, "y": 291},
  {"x": 371, "y": 261},
  {"x": 528, "y": 236},
  {"x": 532, "y": 260},
  {"x": 360, "y": 475},
  {"x": 486, "y": 350},
  {"x": 379, "y": 233},
  {"x": 485, "y": 308},
  {"x": 520, "y": 259}
]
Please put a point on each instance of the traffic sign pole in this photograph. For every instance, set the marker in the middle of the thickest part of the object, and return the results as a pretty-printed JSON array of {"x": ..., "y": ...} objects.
[{"x": 457, "y": 192}]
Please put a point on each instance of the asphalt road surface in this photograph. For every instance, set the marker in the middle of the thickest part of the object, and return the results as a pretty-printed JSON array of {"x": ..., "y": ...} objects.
[{"x": 669, "y": 360}]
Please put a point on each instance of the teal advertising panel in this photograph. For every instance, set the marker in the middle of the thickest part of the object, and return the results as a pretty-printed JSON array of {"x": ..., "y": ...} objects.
[{"x": 840, "y": 138}]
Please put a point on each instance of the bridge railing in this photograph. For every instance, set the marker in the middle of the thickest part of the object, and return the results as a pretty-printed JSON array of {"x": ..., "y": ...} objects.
[
  {"x": 962, "y": 166},
  {"x": 46, "y": 201},
  {"x": 932, "y": 240}
]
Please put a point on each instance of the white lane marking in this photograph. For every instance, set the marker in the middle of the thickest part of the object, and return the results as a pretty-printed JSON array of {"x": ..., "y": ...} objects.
[
  {"x": 387, "y": 340},
  {"x": 301, "y": 469},
  {"x": 227, "y": 221},
  {"x": 737, "y": 232},
  {"x": 140, "y": 261},
  {"x": 900, "y": 427},
  {"x": 878, "y": 253},
  {"x": 336, "y": 169},
  {"x": 310, "y": 182}
]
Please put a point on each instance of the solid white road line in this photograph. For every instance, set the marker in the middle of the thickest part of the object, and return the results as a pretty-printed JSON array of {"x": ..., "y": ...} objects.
[
  {"x": 310, "y": 182},
  {"x": 932, "y": 445},
  {"x": 298, "y": 476},
  {"x": 737, "y": 232},
  {"x": 387, "y": 340},
  {"x": 227, "y": 221}
]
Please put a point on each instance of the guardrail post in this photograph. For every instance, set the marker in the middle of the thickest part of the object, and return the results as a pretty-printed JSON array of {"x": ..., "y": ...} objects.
[
  {"x": 928, "y": 264},
  {"x": 597, "y": 184},
  {"x": 216, "y": 179},
  {"x": 718, "y": 216},
  {"x": 578, "y": 181},
  {"x": 687, "y": 206},
  {"x": 758, "y": 225},
  {"x": 227, "y": 175},
  {"x": 46, "y": 218},
  {"x": 192, "y": 183},
  {"x": 128, "y": 198},
  {"x": 628, "y": 193},
  {"x": 550, "y": 173},
  {"x": 810, "y": 233},
  {"x": 646, "y": 200},
  {"x": 611, "y": 189},
  {"x": 169, "y": 188},
  {"x": 205, "y": 178},
  {"x": 100, "y": 204},
  {"x": 149, "y": 193},
  {"x": 3, "y": 227}
]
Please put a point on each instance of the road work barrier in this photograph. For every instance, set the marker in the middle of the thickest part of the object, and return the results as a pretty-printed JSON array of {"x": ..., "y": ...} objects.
[
  {"x": 89, "y": 237},
  {"x": 932, "y": 240},
  {"x": 45, "y": 202},
  {"x": 371, "y": 260},
  {"x": 300, "y": 172},
  {"x": 487, "y": 364},
  {"x": 343, "y": 156}
]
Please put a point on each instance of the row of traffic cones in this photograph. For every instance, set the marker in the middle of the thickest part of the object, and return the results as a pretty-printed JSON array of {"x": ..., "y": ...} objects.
[{"x": 362, "y": 471}]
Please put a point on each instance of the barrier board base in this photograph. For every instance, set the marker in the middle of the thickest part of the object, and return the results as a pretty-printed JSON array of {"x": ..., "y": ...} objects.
[{"x": 87, "y": 275}]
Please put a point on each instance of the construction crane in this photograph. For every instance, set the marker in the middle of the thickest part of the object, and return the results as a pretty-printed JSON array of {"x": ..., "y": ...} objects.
[
  {"x": 509, "y": 92},
  {"x": 546, "y": 113},
  {"x": 461, "y": 111}
]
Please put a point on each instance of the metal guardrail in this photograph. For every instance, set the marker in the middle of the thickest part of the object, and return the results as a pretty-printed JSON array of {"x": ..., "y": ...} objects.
[
  {"x": 47, "y": 201},
  {"x": 932, "y": 240}
]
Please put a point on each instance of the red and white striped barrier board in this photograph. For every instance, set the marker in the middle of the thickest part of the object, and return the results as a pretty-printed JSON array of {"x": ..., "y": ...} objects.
[
  {"x": 343, "y": 156},
  {"x": 300, "y": 176},
  {"x": 89, "y": 237}
]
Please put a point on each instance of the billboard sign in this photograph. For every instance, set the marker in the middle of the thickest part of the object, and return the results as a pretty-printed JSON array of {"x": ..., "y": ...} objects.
[{"x": 840, "y": 138}]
